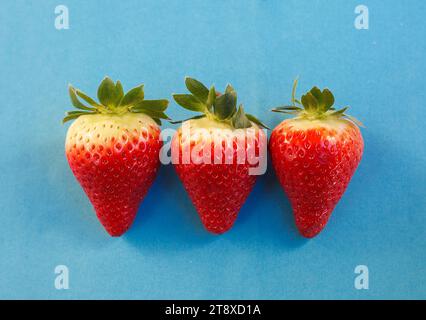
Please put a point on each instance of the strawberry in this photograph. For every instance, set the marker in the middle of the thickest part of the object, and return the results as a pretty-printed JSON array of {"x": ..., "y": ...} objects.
[
  {"x": 208, "y": 153},
  {"x": 113, "y": 150},
  {"x": 315, "y": 155}
]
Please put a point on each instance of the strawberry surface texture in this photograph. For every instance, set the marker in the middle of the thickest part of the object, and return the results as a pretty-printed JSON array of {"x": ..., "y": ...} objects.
[
  {"x": 217, "y": 189},
  {"x": 220, "y": 147},
  {"x": 115, "y": 159},
  {"x": 315, "y": 156},
  {"x": 113, "y": 148}
]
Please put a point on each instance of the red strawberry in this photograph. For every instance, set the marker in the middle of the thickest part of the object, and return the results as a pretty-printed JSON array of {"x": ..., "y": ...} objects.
[
  {"x": 113, "y": 150},
  {"x": 315, "y": 156},
  {"x": 217, "y": 181}
]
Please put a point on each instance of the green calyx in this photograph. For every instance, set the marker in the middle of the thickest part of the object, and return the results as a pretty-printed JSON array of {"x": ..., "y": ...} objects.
[
  {"x": 112, "y": 100},
  {"x": 315, "y": 105},
  {"x": 215, "y": 106}
]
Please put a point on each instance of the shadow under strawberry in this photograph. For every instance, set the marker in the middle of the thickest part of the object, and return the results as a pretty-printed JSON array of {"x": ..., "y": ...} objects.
[
  {"x": 178, "y": 227},
  {"x": 279, "y": 221},
  {"x": 172, "y": 224}
]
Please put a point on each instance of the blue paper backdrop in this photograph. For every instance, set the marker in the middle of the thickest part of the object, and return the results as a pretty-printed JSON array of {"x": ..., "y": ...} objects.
[{"x": 260, "y": 47}]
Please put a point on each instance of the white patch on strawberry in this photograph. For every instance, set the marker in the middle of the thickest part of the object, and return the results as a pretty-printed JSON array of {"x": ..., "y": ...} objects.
[{"x": 98, "y": 129}]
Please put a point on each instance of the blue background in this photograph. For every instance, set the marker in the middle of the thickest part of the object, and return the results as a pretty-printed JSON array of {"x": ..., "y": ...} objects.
[{"x": 260, "y": 47}]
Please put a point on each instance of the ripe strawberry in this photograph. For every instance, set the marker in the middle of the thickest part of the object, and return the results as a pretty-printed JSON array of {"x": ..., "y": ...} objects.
[
  {"x": 113, "y": 150},
  {"x": 216, "y": 179},
  {"x": 315, "y": 156}
]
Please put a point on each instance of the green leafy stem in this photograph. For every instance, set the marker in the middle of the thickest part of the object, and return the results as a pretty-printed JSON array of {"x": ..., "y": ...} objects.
[
  {"x": 215, "y": 106},
  {"x": 315, "y": 104},
  {"x": 112, "y": 100}
]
